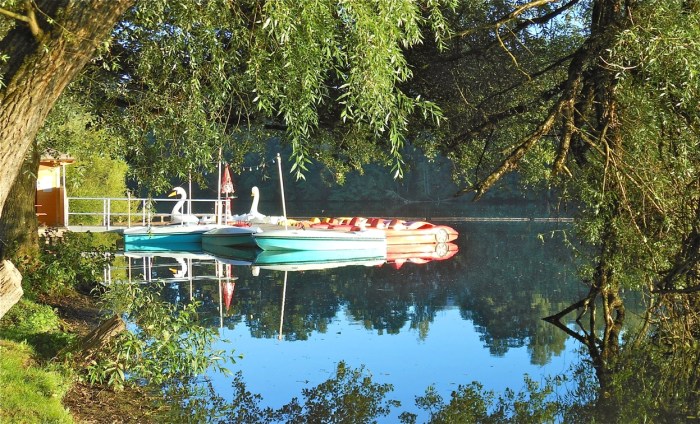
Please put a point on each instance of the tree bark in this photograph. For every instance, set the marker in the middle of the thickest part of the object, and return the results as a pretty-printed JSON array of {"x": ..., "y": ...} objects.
[
  {"x": 10, "y": 286},
  {"x": 95, "y": 341},
  {"x": 18, "y": 225},
  {"x": 41, "y": 65},
  {"x": 40, "y": 69}
]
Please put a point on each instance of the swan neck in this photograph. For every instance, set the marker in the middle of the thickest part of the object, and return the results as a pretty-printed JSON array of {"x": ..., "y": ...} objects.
[
  {"x": 177, "y": 209},
  {"x": 254, "y": 205}
]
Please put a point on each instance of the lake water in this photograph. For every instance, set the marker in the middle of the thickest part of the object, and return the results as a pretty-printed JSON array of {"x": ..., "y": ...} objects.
[{"x": 476, "y": 316}]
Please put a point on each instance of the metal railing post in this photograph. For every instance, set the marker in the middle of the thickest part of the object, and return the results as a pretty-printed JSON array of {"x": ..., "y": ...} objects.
[
  {"x": 66, "y": 212},
  {"x": 104, "y": 212},
  {"x": 109, "y": 213}
]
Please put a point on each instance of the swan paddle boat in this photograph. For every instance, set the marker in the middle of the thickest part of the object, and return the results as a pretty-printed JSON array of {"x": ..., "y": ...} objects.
[
  {"x": 397, "y": 231},
  {"x": 254, "y": 216},
  {"x": 242, "y": 227},
  {"x": 238, "y": 235},
  {"x": 183, "y": 229},
  {"x": 320, "y": 239}
]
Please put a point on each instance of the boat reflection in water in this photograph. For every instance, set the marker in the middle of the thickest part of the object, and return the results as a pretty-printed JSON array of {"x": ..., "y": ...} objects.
[
  {"x": 148, "y": 263},
  {"x": 415, "y": 316},
  {"x": 189, "y": 263},
  {"x": 304, "y": 260}
]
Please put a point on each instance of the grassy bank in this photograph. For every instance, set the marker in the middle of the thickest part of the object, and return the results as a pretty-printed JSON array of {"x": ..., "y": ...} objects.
[
  {"x": 54, "y": 313},
  {"x": 30, "y": 393},
  {"x": 36, "y": 388},
  {"x": 32, "y": 388}
]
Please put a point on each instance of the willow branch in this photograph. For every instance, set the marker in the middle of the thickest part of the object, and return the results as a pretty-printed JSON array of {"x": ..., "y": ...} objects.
[
  {"x": 29, "y": 18},
  {"x": 569, "y": 128},
  {"x": 628, "y": 171},
  {"x": 586, "y": 303},
  {"x": 515, "y": 61},
  {"x": 508, "y": 18},
  {"x": 13, "y": 15},
  {"x": 33, "y": 23},
  {"x": 511, "y": 162},
  {"x": 687, "y": 290}
]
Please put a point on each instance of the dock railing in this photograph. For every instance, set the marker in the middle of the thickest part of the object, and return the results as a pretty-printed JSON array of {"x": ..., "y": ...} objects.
[
  {"x": 116, "y": 213},
  {"x": 110, "y": 213}
]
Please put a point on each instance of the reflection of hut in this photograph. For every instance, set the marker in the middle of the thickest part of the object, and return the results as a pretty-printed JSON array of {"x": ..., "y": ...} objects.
[{"x": 51, "y": 198}]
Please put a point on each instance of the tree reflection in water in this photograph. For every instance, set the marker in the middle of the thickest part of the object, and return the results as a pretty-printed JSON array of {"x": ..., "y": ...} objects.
[
  {"x": 646, "y": 374},
  {"x": 644, "y": 371},
  {"x": 348, "y": 397}
]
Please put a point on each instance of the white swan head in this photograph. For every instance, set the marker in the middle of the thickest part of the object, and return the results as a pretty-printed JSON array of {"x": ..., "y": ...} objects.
[
  {"x": 178, "y": 191},
  {"x": 177, "y": 216},
  {"x": 182, "y": 272},
  {"x": 255, "y": 192}
]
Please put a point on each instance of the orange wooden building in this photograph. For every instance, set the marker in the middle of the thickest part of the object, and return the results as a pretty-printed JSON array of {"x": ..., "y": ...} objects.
[{"x": 51, "y": 198}]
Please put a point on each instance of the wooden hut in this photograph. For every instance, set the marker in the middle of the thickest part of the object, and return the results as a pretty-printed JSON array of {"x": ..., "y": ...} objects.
[{"x": 51, "y": 198}]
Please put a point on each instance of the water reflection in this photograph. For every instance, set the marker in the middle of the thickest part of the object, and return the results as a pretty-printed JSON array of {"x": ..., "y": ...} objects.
[
  {"x": 474, "y": 317},
  {"x": 421, "y": 334}
]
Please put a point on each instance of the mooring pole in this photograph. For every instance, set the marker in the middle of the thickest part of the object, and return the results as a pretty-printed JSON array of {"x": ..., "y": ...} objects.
[{"x": 284, "y": 207}]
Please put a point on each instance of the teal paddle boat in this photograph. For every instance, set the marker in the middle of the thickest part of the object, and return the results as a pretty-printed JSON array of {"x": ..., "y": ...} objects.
[
  {"x": 304, "y": 239},
  {"x": 166, "y": 236},
  {"x": 304, "y": 260}
]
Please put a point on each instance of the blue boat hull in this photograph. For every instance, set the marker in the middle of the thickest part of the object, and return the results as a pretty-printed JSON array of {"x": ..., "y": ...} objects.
[
  {"x": 282, "y": 257},
  {"x": 320, "y": 240},
  {"x": 186, "y": 243},
  {"x": 230, "y": 237},
  {"x": 170, "y": 237}
]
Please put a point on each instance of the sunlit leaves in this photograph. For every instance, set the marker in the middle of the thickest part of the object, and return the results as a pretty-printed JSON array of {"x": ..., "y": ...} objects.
[
  {"x": 169, "y": 343},
  {"x": 654, "y": 186},
  {"x": 350, "y": 49},
  {"x": 195, "y": 74},
  {"x": 665, "y": 46},
  {"x": 180, "y": 84}
]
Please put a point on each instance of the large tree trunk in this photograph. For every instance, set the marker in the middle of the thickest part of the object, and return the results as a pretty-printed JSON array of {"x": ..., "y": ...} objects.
[
  {"x": 43, "y": 58},
  {"x": 18, "y": 224},
  {"x": 41, "y": 66}
]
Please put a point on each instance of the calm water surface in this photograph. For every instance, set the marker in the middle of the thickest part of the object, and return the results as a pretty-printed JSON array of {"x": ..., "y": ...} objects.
[{"x": 476, "y": 316}]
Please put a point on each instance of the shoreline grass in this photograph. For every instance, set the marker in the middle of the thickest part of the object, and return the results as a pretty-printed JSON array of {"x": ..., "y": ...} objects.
[
  {"x": 32, "y": 387},
  {"x": 30, "y": 393}
]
